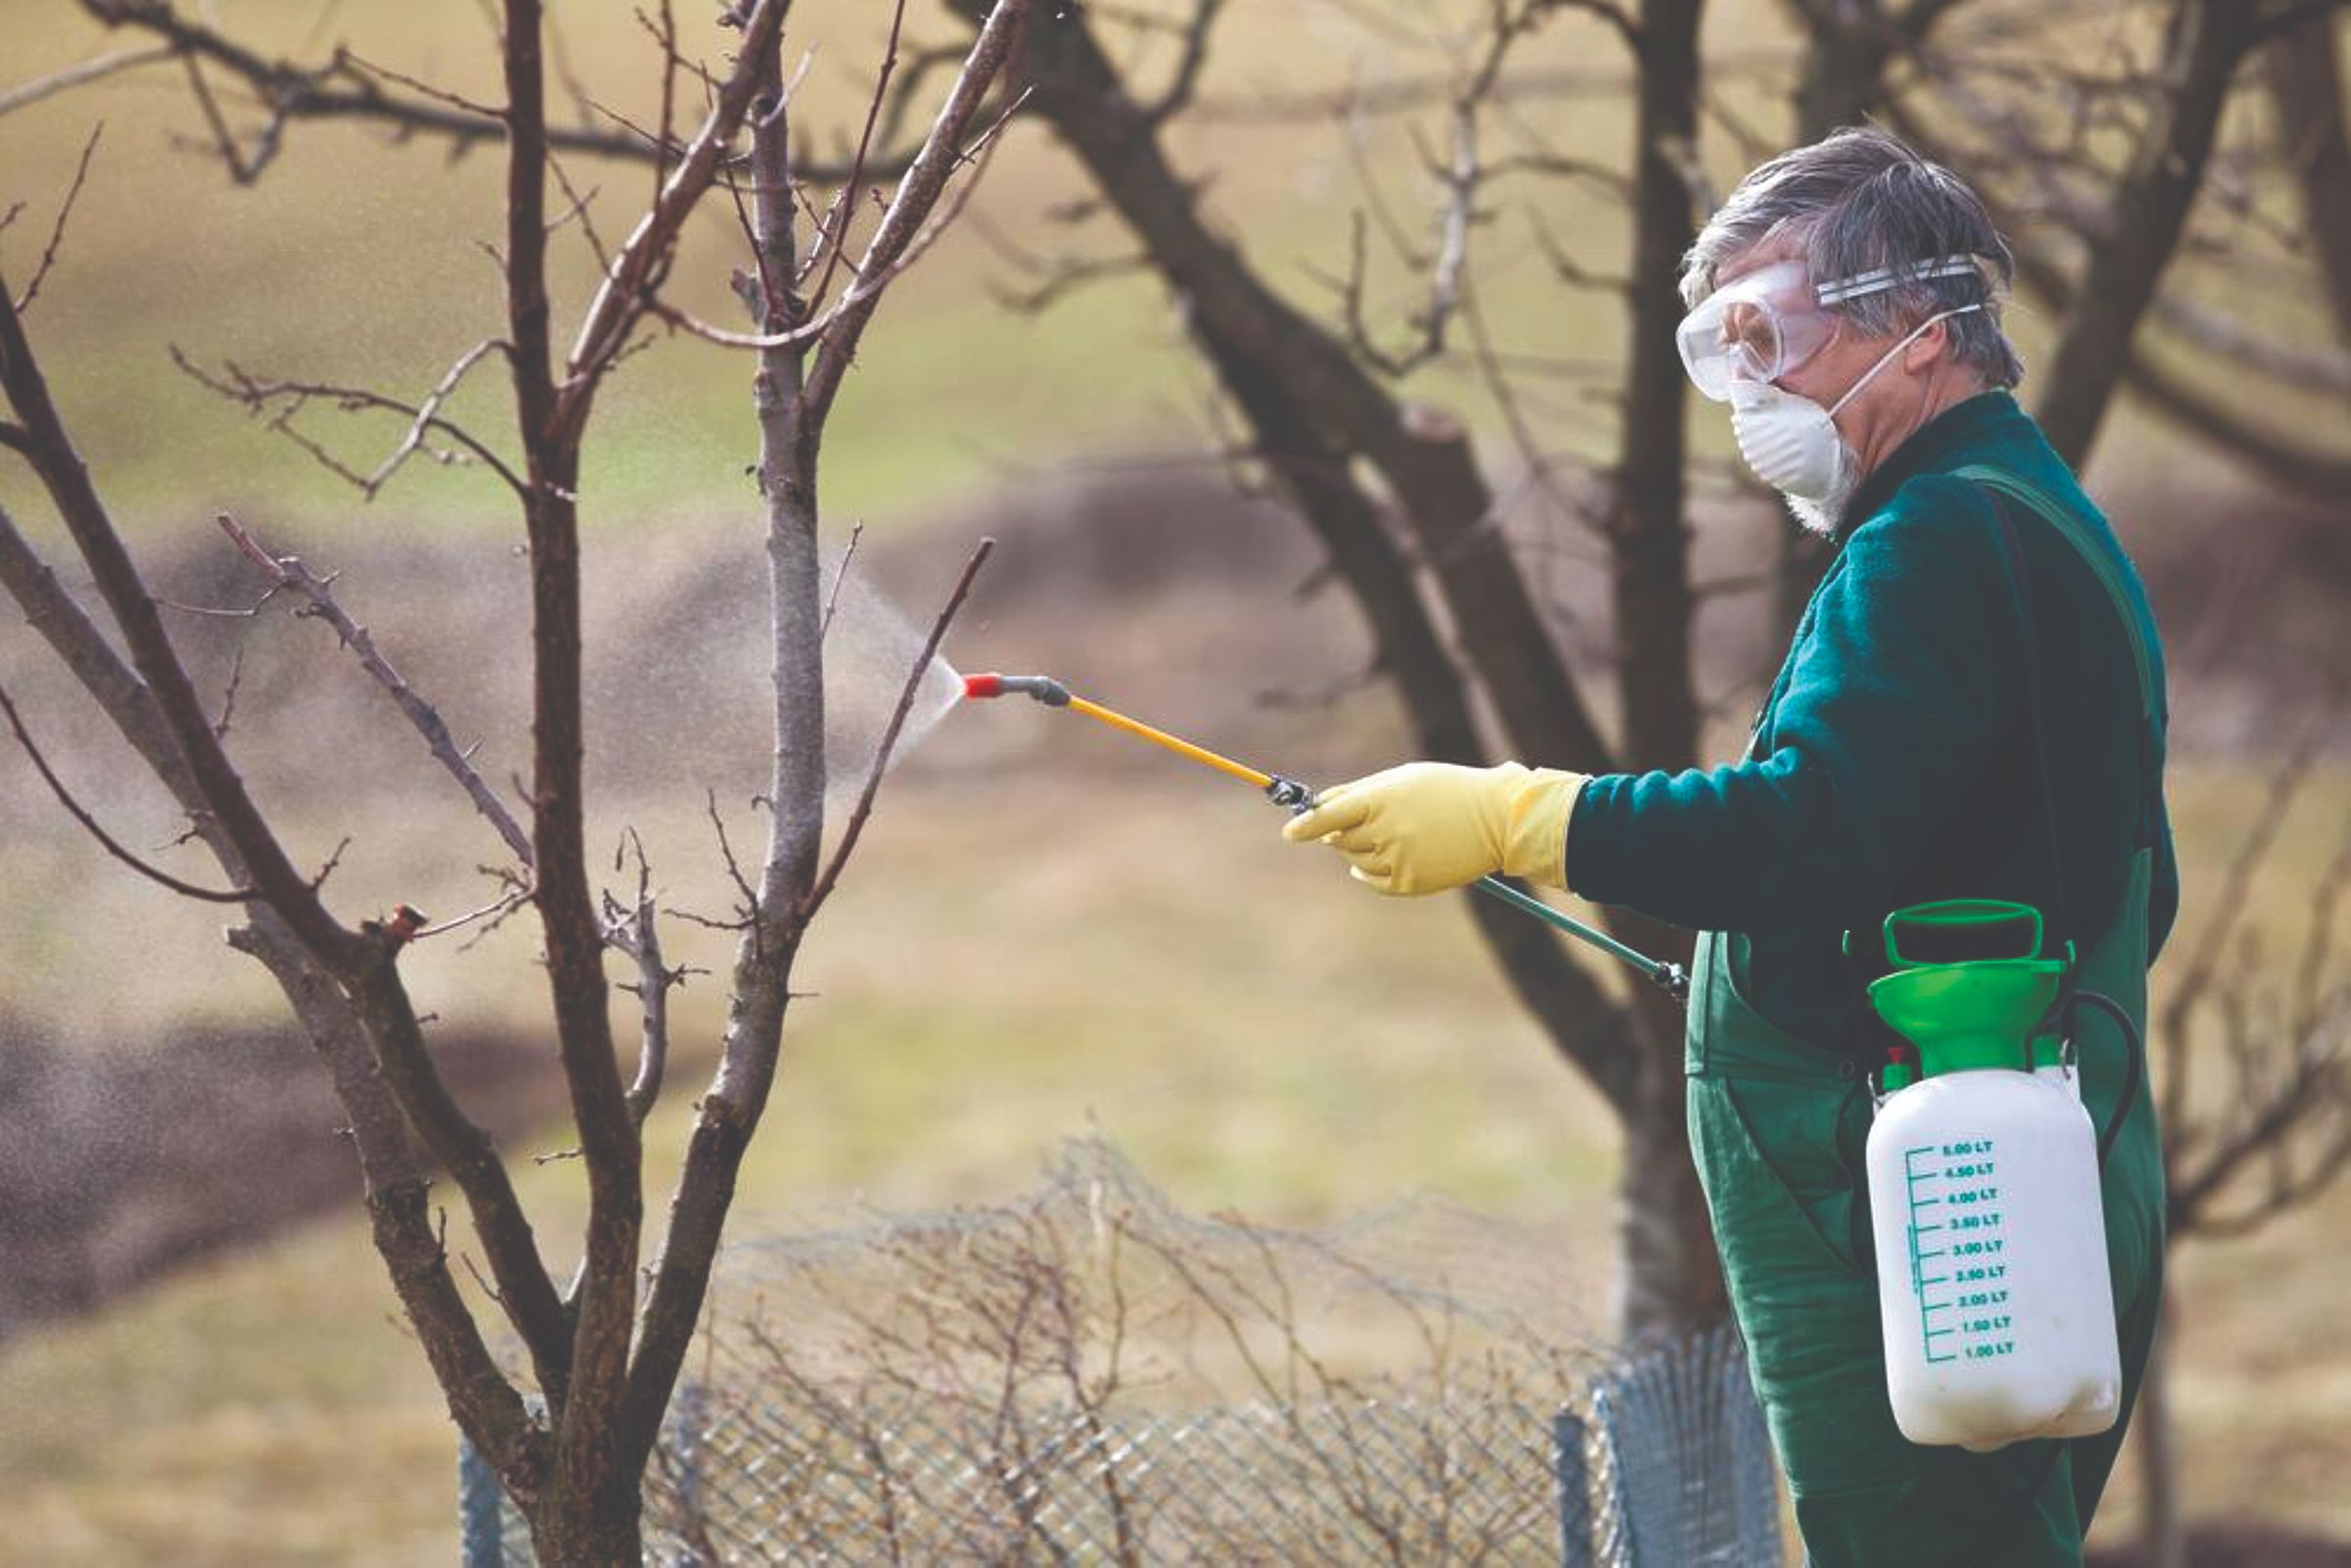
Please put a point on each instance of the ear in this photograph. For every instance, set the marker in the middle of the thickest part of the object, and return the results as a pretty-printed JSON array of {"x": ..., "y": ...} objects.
[{"x": 1921, "y": 352}]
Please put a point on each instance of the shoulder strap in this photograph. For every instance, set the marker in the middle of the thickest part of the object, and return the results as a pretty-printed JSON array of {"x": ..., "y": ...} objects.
[
  {"x": 2076, "y": 533},
  {"x": 2109, "y": 576},
  {"x": 2013, "y": 548}
]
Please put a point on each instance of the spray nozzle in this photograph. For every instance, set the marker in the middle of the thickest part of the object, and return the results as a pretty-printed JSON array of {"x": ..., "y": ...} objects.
[{"x": 1051, "y": 692}]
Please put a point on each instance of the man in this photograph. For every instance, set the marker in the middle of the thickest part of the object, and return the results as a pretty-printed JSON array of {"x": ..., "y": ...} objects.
[{"x": 1972, "y": 707}]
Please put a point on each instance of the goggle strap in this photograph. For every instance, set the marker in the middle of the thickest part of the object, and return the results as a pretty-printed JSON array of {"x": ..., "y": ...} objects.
[{"x": 1876, "y": 280}]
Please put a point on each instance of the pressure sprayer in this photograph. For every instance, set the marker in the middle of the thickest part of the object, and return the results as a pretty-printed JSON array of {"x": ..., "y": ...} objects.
[
  {"x": 1983, "y": 1188},
  {"x": 1295, "y": 797}
]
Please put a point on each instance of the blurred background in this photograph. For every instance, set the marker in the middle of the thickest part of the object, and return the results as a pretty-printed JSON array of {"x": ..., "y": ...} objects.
[{"x": 1048, "y": 933}]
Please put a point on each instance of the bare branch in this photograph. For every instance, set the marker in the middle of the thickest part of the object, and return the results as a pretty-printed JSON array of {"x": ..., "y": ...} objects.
[
  {"x": 289, "y": 573},
  {"x": 889, "y": 735},
  {"x": 480, "y": 1397},
  {"x": 841, "y": 581},
  {"x": 630, "y": 284},
  {"x": 635, "y": 932},
  {"x": 80, "y": 76},
  {"x": 65, "y": 210},
  {"x": 2218, "y": 333},
  {"x": 242, "y": 169},
  {"x": 107, "y": 840},
  {"x": 492, "y": 911},
  {"x": 901, "y": 234},
  {"x": 1186, "y": 81},
  {"x": 833, "y": 237},
  {"x": 290, "y": 398}
]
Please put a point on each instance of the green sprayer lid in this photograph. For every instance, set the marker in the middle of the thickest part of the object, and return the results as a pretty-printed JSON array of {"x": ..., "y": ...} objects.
[{"x": 1968, "y": 983}]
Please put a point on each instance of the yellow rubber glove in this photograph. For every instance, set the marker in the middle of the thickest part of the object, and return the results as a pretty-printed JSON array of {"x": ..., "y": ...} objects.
[{"x": 1429, "y": 826}]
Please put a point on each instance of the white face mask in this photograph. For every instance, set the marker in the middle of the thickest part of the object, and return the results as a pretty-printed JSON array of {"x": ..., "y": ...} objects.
[{"x": 1791, "y": 443}]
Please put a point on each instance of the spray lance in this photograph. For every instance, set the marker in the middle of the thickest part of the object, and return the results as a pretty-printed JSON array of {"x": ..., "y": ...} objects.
[{"x": 1295, "y": 797}]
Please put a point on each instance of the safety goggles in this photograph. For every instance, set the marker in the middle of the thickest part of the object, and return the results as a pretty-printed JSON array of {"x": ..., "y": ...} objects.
[{"x": 1769, "y": 321}]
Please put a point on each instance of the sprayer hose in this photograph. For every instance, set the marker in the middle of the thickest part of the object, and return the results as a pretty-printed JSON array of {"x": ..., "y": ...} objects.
[{"x": 2133, "y": 1067}]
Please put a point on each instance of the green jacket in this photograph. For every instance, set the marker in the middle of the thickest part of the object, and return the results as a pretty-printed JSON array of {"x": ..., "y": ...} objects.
[{"x": 1893, "y": 761}]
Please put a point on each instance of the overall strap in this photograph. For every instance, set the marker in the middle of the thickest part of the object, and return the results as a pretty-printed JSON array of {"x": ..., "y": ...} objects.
[
  {"x": 2108, "y": 573},
  {"x": 2013, "y": 548}
]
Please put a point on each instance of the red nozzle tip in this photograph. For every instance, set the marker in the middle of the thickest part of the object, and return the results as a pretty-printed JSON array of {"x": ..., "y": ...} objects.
[{"x": 982, "y": 685}]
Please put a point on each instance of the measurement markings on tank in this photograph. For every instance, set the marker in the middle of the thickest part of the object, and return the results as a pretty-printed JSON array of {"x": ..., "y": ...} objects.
[{"x": 1955, "y": 1215}]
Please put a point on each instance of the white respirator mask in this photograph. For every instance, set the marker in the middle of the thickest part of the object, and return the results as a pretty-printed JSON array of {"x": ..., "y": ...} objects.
[
  {"x": 1792, "y": 442},
  {"x": 1739, "y": 340}
]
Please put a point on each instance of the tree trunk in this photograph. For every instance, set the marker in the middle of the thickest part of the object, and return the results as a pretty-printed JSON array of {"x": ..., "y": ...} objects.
[
  {"x": 2163, "y": 1539},
  {"x": 2207, "y": 40},
  {"x": 1648, "y": 541},
  {"x": 606, "y": 1530},
  {"x": 1673, "y": 1277},
  {"x": 2306, "y": 87},
  {"x": 1843, "y": 78}
]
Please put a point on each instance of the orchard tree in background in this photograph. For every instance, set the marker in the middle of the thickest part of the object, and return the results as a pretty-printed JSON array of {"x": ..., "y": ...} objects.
[{"x": 602, "y": 1350}]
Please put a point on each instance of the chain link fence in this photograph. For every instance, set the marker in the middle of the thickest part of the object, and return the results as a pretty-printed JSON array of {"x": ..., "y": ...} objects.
[{"x": 1091, "y": 1376}]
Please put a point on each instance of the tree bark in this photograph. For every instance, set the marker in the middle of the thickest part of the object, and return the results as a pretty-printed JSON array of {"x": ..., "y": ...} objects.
[
  {"x": 2207, "y": 39},
  {"x": 2163, "y": 1536},
  {"x": 1649, "y": 535},
  {"x": 2306, "y": 89}
]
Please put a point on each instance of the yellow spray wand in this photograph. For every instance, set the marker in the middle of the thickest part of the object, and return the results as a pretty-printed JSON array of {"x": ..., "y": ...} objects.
[{"x": 1294, "y": 796}]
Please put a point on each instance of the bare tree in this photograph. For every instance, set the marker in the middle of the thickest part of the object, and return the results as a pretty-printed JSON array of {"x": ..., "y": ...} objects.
[
  {"x": 2253, "y": 1051},
  {"x": 603, "y": 1353}
]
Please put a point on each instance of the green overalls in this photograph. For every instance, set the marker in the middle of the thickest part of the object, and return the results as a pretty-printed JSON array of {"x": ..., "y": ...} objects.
[{"x": 1778, "y": 1128}]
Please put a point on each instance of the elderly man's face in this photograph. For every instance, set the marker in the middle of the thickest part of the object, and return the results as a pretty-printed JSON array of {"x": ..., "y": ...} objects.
[
  {"x": 1828, "y": 375},
  {"x": 1825, "y": 375}
]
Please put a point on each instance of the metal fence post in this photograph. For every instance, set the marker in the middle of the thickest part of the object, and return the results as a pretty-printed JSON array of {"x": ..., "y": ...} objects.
[
  {"x": 481, "y": 1525},
  {"x": 1569, "y": 1464}
]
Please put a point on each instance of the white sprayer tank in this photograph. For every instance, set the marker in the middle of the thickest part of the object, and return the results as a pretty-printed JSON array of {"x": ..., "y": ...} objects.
[{"x": 1991, "y": 1260}]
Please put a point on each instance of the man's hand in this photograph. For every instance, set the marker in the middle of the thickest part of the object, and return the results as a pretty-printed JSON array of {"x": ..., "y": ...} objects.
[{"x": 1429, "y": 826}]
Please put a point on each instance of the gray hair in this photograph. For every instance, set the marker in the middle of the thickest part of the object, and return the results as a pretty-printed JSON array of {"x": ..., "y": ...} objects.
[{"x": 1861, "y": 199}]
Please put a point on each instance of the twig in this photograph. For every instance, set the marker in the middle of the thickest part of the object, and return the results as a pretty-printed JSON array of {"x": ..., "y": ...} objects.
[
  {"x": 635, "y": 932},
  {"x": 835, "y": 243},
  {"x": 228, "y": 698},
  {"x": 889, "y": 737},
  {"x": 87, "y": 72},
  {"x": 65, "y": 210},
  {"x": 749, "y": 907},
  {"x": 841, "y": 580},
  {"x": 579, "y": 210},
  {"x": 505, "y": 904},
  {"x": 427, "y": 415},
  {"x": 667, "y": 38},
  {"x": 289, "y": 572},
  {"x": 208, "y": 895},
  {"x": 258, "y": 396},
  {"x": 425, "y": 89}
]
